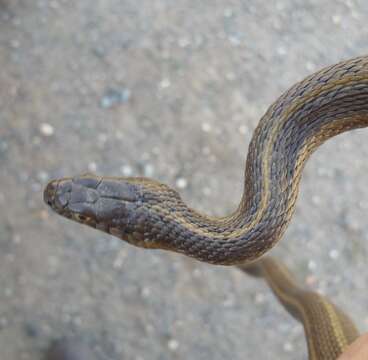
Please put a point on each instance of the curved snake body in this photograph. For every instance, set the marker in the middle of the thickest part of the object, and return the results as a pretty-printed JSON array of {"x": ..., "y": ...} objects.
[{"x": 151, "y": 215}]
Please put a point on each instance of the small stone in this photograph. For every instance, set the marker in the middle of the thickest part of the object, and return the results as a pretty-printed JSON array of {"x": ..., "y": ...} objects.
[
  {"x": 259, "y": 298},
  {"x": 92, "y": 167},
  {"x": 334, "y": 254},
  {"x": 234, "y": 40},
  {"x": 146, "y": 292},
  {"x": 281, "y": 50},
  {"x": 181, "y": 183},
  {"x": 165, "y": 83},
  {"x": 288, "y": 347},
  {"x": 312, "y": 265},
  {"x": 206, "y": 127},
  {"x": 243, "y": 129},
  {"x": 316, "y": 200},
  {"x": 183, "y": 42},
  {"x": 336, "y": 19},
  {"x": 310, "y": 66},
  {"x": 126, "y": 170},
  {"x": 310, "y": 280},
  {"x": 173, "y": 344},
  {"x": 43, "y": 176},
  {"x": 114, "y": 97},
  {"x": 149, "y": 170},
  {"x": 46, "y": 129},
  {"x": 120, "y": 258},
  {"x": 207, "y": 191},
  {"x": 228, "y": 13}
]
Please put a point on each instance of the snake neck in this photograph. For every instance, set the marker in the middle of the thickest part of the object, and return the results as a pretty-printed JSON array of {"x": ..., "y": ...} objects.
[{"x": 324, "y": 105}]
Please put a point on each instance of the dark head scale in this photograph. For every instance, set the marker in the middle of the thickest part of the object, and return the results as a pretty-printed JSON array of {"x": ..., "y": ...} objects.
[{"x": 121, "y": 206}]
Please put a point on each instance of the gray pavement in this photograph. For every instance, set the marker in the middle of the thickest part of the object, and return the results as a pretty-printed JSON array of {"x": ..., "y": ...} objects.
[{"x": 172, "y": 90}]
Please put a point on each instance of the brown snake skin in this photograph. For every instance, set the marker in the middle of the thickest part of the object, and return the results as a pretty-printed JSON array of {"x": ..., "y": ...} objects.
[{"x": 149, "y": 214}]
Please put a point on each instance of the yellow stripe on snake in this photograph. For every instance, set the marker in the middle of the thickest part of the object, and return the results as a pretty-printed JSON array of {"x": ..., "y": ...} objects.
[{"x": 151, "y": 215}]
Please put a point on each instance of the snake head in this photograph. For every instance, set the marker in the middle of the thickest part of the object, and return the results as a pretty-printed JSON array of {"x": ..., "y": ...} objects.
[{"x": 123, "y": 207}]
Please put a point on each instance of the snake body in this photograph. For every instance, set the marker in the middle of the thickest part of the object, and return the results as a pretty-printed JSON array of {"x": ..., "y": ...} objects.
[
  {"x": 149, "y": 214},
  {"x": 327, "y": 328}
]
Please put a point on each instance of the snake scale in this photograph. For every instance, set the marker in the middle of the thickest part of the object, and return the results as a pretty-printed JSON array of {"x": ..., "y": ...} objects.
[{"x": 151, "y": 215}]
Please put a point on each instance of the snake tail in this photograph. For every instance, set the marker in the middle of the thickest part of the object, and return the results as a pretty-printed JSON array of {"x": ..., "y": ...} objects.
[{"x": 327, "y": 328}]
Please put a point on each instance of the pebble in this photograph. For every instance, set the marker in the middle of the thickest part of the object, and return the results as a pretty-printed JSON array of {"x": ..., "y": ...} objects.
[
  {"x": 310, "y": 66},
  {"x": 126, "y": 170},
  {"x": 149, "y": 170},
  {"x": 334, "y": 254},
  {"x": 181, "y": 183},
  {"x": 288, "y": 347},
  {"x": 259, "y": 298},
  {"x": 46, "y": 129},
  {"x": 120, "y": 258},
  {"x": 165, "y": 83},
  {"x": 207, "y": 191},
  {"x": 312, "y": 265},
  {"x": 173, "y": 344},
  {"x": 43, "y": 176},
  {"x": 206, "y": 127},
  {"x": 183, "y": 42},
  {"x": 281, "y": 50},
  {"x": 234, "y": 40},
  {"x": 316, "y": 200},
  {"x": 243, "y": 129},
  {"x": 92, "y": 166},
  {"x": 145, "y": 292},
  {"x": 228, "y": 13},
  {"x": 114, "y": 97},
  {"x": 336, "y": 19}
]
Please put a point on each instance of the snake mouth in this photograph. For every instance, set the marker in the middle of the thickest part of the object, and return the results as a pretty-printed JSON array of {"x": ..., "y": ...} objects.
[
  {"x": 57, "y": 195},
  {"x": 49, "y": 193}
]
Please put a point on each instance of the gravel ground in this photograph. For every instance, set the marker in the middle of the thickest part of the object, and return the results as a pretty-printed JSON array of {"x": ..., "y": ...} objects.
[{"x": 173, "y": 90}]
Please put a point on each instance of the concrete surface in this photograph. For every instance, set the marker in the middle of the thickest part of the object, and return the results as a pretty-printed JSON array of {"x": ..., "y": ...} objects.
[{"x": 173, "y": 90}]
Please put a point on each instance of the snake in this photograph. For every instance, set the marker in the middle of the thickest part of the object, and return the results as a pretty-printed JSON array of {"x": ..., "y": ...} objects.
[{"x": 149, "y": 214}]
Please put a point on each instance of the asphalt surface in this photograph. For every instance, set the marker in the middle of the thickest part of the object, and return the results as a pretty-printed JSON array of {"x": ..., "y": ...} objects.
[{"x": 172, "y": 90}]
